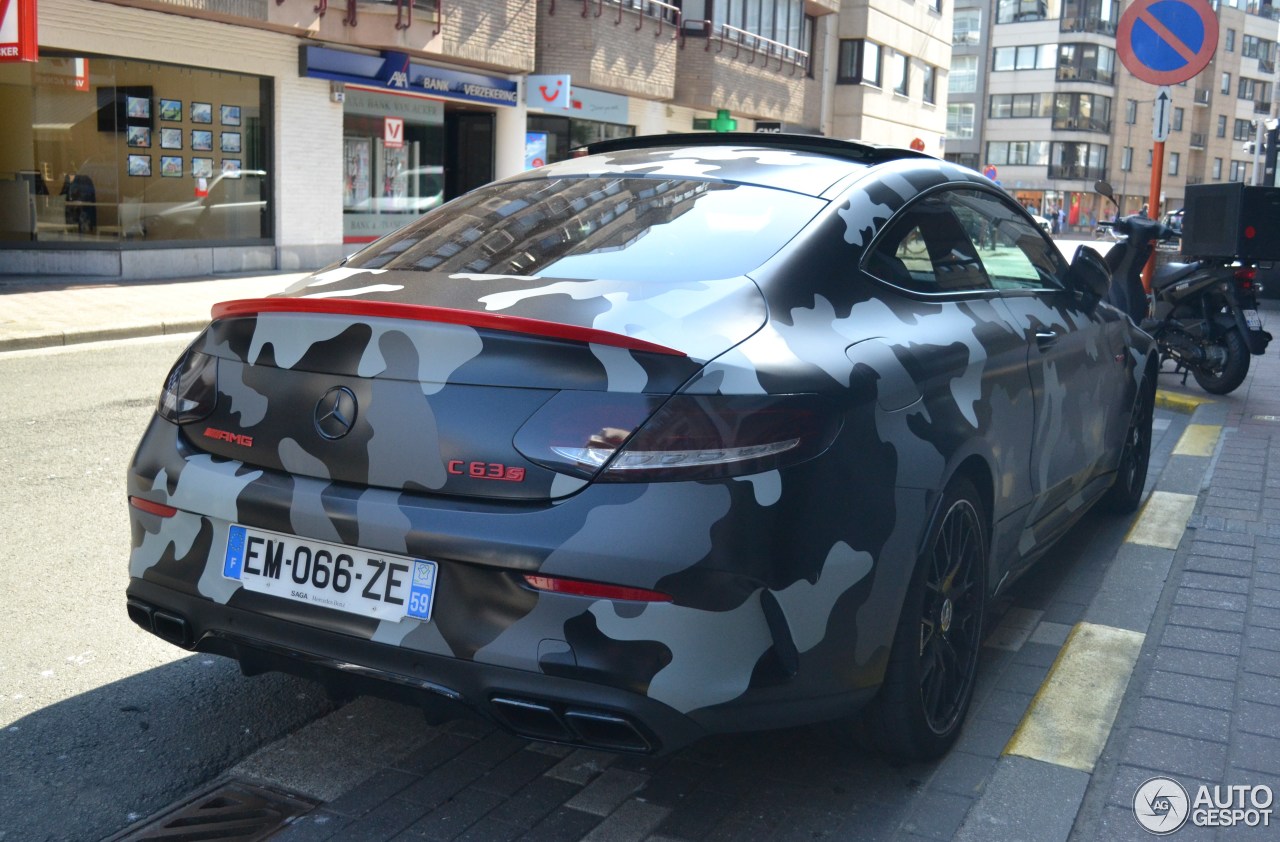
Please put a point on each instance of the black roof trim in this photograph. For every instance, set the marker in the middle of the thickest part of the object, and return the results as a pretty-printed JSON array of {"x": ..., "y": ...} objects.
[{"x": 853, "y": 150}]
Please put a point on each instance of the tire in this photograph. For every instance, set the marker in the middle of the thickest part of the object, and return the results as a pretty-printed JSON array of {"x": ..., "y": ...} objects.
[
  {"x": 1231, "y": 374},
  {"x": 928, "y": 684},
  {"x": 1125, "y": 493}
]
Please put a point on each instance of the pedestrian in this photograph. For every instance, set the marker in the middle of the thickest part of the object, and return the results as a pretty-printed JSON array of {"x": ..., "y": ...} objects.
[{"x": 1143, "y": 212}]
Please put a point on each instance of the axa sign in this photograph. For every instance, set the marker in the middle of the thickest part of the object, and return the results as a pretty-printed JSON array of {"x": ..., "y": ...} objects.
[{"x": 18, "y": 30}]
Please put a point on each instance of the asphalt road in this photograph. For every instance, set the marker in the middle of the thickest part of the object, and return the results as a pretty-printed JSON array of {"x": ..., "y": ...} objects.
[{"x": 100, "y": 723}]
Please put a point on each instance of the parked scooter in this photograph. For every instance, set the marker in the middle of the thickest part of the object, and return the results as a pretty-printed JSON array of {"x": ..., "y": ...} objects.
[{"x": 1203, "y": 315}]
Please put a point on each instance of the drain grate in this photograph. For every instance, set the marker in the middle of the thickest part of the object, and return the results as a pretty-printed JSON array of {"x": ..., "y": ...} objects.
[{"x": 233, "y": 811}]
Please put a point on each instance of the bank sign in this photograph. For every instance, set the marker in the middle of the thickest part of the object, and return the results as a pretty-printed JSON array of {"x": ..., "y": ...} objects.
[
  {"x": 18, "y": 30},
  {"x": 395, "y": 73}
]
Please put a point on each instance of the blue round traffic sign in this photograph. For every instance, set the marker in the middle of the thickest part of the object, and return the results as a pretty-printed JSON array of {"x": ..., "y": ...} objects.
[{"x": 1166, "y": 42}]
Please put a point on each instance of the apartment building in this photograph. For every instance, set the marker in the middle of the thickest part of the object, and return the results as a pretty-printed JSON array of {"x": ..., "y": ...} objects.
[
  {"x": 1047, "y": 108},
  {"x": 178, "y": 137}
]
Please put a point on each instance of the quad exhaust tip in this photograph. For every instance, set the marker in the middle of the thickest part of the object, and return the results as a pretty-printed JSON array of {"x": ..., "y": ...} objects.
[{"x": 593, "y": 728}]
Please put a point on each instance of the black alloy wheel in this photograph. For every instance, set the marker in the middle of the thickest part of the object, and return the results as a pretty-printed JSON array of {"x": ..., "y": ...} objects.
[
  {"x": 1125, "y": 493},
  {"x": 951, "y": 621},
  {"x": 933, "y": 664}
]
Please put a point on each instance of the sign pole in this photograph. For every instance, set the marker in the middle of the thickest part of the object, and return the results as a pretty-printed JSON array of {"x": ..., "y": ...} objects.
[{"x": 1153, "y": 206}]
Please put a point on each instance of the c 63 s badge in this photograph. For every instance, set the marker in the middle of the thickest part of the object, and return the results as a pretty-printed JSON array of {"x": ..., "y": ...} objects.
[{"x": 485, "y": 470}]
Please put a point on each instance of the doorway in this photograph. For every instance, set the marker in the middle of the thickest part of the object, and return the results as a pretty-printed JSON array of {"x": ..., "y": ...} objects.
[{"x": 468, "y": 156}]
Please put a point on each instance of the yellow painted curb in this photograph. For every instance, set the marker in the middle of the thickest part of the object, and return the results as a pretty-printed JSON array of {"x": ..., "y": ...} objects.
[
  {"x": 1179, "y": 402},
  {"x": 1070, "y": 718},
  {"x": 1198, "y": 440},
  {"x": 1163, "y": 520}
]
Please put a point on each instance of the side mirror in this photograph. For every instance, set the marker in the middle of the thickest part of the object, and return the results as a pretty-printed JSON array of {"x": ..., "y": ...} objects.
[
  {"x": 1088, "y": 274},
  {"x": 1103, "y": 188}
]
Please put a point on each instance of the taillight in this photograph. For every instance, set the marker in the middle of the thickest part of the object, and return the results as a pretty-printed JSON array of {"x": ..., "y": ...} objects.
[
  {"x": 191, "y": 389},
  {"x": 689, "y": 437},
  {"x": 1245, "y": 276},
  {"x": 594, "y": 590}
]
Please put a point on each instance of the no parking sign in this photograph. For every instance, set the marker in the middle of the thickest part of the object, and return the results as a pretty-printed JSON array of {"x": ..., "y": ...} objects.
[{"x": 1166, "y": 42}]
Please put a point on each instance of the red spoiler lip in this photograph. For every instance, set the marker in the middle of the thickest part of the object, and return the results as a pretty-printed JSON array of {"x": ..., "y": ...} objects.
[{"x": 445, "y": 315}]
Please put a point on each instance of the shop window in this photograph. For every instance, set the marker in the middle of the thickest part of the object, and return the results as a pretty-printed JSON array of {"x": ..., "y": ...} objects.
[
  {"x": 124, "y": 151},
  {"x": 386, "y": 185}
]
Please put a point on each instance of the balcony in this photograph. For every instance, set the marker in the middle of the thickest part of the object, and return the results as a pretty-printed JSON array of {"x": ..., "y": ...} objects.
[
  {"x": 721, "y": 66},
  {"x": 647, "y": 32},
  {"x": 1262, "y": 108},
  {"x": 1070, "y": 73},
  {"x": 1203, "y": 96},
  {"x": 1198, "y": 140},
  {"x": 1083, "y": 24},
  {"x": 1082, "y": 124},
  {"x": 1077, "y": 172}
]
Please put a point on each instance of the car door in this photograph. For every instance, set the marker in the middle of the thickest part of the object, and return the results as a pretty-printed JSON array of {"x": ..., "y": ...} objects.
[
  {"x": 1076, "y": 359},
  {"x": 953, "y": 332}
]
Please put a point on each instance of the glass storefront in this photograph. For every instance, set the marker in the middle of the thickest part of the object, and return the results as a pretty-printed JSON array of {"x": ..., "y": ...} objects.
[
  {"x": 565, "y": 134},
  {"x": 392, "y": 159},
  {"x": 107, "y": 151}
]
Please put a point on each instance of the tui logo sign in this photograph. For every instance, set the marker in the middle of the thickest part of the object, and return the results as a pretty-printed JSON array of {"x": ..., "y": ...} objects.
[{"x": 18, "y": 30}]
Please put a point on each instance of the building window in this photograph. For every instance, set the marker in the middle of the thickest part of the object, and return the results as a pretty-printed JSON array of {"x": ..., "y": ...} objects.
[
  {"x": 963, "y": 78},
  {"x": 1217, "y": 169},
  {"x": 1254, "y": 89},
  {"x": 1226, "y": 83},
  {"x": 966, "y": 27},
  {"x": 961, "y": 120},
  {"x": 1082, "y": 112},
  {"x": 1222, "y": 125},
  {"x": 1231, "y": 40},
  {"x": 1018, "y": 152},
  {"x": 1126, "y": 159},
  {"x": 121, "y": 147},
  {"x": 1100, "y": 16},
  {"x": 1179, "y": 115},
  {"x": 1238, "y": 170},
  {"x": 1026, "y": 57},
  {"x": 1150, "y": 158},
  {"x": 859, "y": 63},
  {"x": 1078, "y": 160},
  {"x": 1259, "y": 48},
  {"x": 1016, "y": 11},
  {"x": 901, "y": 74},
  {"x": 1243, "y": 130},
  {"x": 1130, "y": 111},
  {"x": 778, "y": 20},
  {"x": 1021, "y": 105},
  {"x": 1086, "y": 63},
  {"x": 930, "y": 87},
  {"x": 1175, "y": 161}
]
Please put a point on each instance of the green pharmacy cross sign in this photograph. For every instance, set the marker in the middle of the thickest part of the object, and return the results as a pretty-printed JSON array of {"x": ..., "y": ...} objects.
[{"x": 722, "y": 122}]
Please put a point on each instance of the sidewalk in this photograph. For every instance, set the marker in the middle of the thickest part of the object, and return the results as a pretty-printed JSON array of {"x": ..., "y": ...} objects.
[{"x": 47, "y": 313}]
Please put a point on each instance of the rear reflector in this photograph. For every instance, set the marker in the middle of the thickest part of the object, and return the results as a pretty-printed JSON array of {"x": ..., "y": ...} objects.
[
  {"x": 595, "y": 590},
  {"x": 443, "y": 315},
  {"x": 158, "y": 509}
]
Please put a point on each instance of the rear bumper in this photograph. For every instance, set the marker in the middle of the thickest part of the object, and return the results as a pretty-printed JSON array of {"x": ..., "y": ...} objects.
[{"x": 532, "y": 705}]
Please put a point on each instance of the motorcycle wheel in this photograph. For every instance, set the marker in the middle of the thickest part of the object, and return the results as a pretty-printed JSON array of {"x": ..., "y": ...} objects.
[{"x": 1223, "y": 379}]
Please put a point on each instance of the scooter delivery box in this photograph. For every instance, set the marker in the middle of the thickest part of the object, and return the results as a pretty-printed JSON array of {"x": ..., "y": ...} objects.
[{"x": 1231, "y": 222}]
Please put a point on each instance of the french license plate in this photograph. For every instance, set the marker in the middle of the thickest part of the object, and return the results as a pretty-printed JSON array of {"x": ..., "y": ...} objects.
[
  {"x": 1252, "y": 320},
  {"x": 377, "y": 585}
]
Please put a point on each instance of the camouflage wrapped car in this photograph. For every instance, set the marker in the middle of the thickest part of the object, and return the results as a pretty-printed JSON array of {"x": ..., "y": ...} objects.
[{"x": 694, "y": 434}]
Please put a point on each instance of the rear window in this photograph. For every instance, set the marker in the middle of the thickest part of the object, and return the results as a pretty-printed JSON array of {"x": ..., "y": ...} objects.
[{"x": 629, "y": 229}]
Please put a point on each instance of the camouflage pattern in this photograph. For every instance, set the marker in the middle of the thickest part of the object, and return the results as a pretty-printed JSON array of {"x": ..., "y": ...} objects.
[{"x": 786, "y": 584}]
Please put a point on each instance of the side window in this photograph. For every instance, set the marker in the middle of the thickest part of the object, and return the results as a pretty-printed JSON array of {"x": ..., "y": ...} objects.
[
  {"x": 1014, "y": 252},
  {"x": 926, "y": 249}
]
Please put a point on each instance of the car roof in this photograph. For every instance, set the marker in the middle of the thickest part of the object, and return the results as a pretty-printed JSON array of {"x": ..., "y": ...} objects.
[{"x": 800, "y": 163}]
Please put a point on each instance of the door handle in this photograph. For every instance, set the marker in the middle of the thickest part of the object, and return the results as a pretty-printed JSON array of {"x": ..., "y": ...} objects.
[{"x": 1046, "y": 338}]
